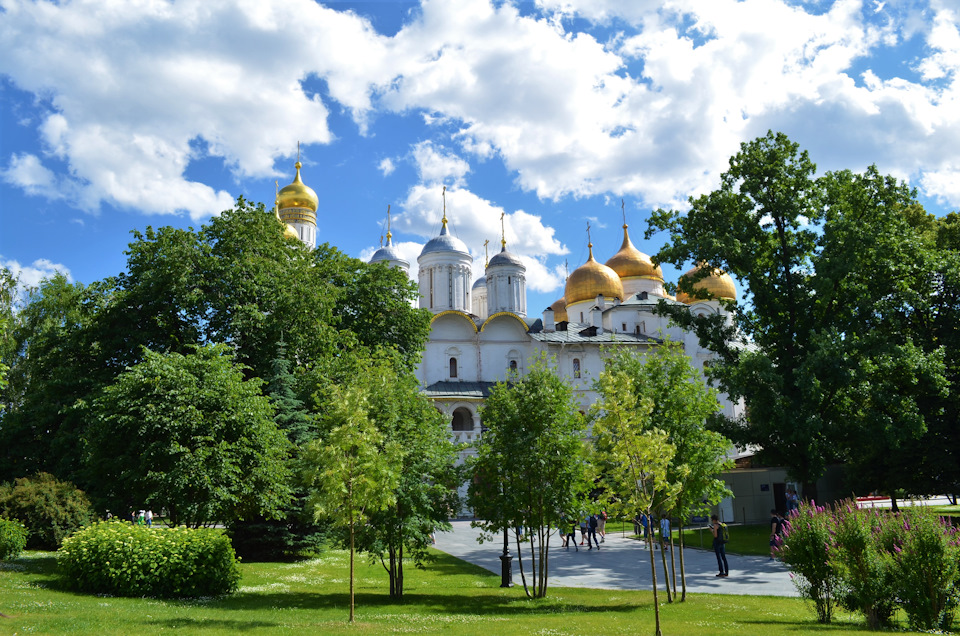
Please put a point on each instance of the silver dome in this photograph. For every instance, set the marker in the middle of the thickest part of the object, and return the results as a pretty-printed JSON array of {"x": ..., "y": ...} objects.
[
  {"x": 446, "y": 242},
  {"x": 505, "y": 258}
]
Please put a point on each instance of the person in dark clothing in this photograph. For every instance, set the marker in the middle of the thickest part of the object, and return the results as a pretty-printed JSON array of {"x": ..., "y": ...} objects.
[
  {"x": 719, "y": 545},
  {"x": 775, "y": 532},
  {"x": 592, "y": 523}
]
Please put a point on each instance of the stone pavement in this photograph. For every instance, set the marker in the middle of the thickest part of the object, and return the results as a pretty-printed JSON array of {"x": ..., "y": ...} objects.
[{"x": 624, "y": 564}]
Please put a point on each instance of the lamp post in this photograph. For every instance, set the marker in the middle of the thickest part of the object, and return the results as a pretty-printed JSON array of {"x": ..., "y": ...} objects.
[{"x": 506, "y": 559}]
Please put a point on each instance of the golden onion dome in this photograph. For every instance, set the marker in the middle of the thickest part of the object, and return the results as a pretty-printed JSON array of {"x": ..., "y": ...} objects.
[
  {"x": 630, "y": 262},
  {"x": 591, "y": 280},
  {"x": 717, "y": 283},
  {"x": 559, "y": 308},
  {"x": 290, "y": 232},
  {"x": 297, "y": 194}
]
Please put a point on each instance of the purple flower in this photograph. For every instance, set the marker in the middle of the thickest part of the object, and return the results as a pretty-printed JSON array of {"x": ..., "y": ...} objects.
[{"x": 897, "y": 549}]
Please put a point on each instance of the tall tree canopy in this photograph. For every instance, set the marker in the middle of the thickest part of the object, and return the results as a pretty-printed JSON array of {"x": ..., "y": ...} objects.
[
  {"x": 188, "y": 434},
  {"x": 826, "y": 263},
  {"x": 530, "y": 468},
  {"x": 237, "y": 281}
]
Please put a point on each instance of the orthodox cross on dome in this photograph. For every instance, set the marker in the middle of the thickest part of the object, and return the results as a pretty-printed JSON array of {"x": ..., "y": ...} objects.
[
  {"x": 503, "y": 233},
  {"x": 589, "y": 242},
  {"x": 624, "y": 212},
  {"x": 486, "y": 254},
  {"x": 444, "y": 195},
  {"x": 389, "y": 233},
  {"x": 566, "y": 269},
  {"x": 276, "y": 198},
  {"x": 298, "y": 151}
]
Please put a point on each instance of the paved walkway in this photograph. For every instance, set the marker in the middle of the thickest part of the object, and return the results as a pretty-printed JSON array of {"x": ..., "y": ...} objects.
[{"x": 624, "y": 564}]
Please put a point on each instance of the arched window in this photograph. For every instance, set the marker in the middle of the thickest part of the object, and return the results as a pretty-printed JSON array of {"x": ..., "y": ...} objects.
[
  {"x": 576, "y": 367},
  {"x": 462, "y": 420},
  {"x": 513, "y": 365},
  {"x": 453, "y": 367}
]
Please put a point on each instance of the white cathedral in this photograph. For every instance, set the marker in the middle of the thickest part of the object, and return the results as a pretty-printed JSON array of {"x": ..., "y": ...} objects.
[{"x": 481, "y": 332}]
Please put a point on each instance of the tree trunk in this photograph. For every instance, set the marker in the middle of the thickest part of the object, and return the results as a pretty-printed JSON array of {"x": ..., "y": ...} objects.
[
  {"x": 666, "y": 573},
  {"x": 516, "y": 533},
  {"x": 673, "y": 568},
  {"x": 351, "y": 565},
  {"x": 653, "y": 576},
  {"x": 683, "y": 571},
  {"x": 893, "y": 503},
  {"x": 400, "y": 569}
]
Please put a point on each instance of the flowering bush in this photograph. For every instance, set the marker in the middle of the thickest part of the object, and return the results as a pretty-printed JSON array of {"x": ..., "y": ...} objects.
[
  {"x": 863, "y": 561},
  {"x": 117, "y": 557},
  {"x": 13, "y": 538},
  {"x": 928, "y": 570},
  {"x": 806, "y": 549},
  {"x": 876, "y": 561}
]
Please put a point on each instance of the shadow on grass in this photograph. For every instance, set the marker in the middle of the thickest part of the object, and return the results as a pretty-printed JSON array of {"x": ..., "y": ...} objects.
[{"x": 199, "y": 624}]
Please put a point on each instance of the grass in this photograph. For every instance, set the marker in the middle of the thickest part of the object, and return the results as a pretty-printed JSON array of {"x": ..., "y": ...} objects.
[
  {"x": 744, "y": 540},
  {"x": 450, "y": 596}
]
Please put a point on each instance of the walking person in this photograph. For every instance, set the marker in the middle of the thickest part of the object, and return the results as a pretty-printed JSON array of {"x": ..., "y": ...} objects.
[
  {"x": 602, "y": 525},
  {"x": 583, "y": 530},
  {"x": 148, "y": 517},
  {"x": 720, "y": 537},
  {"x": 572, "y": 534},
  {"x": 592, "y": 532},
  {"x": 776, "y": 528}
]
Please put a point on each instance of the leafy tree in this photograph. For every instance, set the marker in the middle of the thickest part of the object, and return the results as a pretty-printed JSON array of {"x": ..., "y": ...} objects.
[
  {"x": 426, "y": 493},
  {"x": 189, "y": 434},
  {"x": 626, "y": 438},
  {"x": 350, "y": 470},
  {"x": 50, "y": 509},
  {"x": 260, "y": 537},
  {"x": 825, "y": 262},
  {"x": 681, "y": 404},
  {"x": 8, "y": 291},
  {"x": 530, "y": 466},
  {"x": 52, "y": 373}
]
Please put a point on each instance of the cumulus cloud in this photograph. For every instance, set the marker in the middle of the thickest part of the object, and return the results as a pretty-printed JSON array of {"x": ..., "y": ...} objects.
[
  {"x": 475, "y": 220},
  {"x": 650, "y": 108},
  {"x": 30, "y": 276},
  {"x": 386, "y": 166},
  {"x": 437, "y": 165}
]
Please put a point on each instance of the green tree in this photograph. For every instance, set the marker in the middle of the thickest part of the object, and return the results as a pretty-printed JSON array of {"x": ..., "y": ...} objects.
[
  {"x": 530, "y": 467},
  {"x": 187, "y": 433},
  {"x": 52, "y": 374},
  {"x": 626, "y": 439},
  {"x": 426, "y": 493},
  {"x": 681, "y": 404},
  {"x": 351, "y": 471},
  {"x": 825, "y": 262}
]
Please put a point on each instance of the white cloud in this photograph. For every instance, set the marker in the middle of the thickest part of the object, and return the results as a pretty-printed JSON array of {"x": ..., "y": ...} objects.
[
  {"x": 137, "y": 91},
  {"x": 437, "y": 165},
  {"x": 386, "y": 166},
  {"x": 27, "y": 172},
  {"x": 29, "y": 276}
]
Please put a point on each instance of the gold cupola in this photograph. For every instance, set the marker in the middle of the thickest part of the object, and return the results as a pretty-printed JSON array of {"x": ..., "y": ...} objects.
[
  {"x": 630, "y": 262},
  {"x": 559, "y": 308},
  {"x": 297, "y": 201},
  {"x": 717, "y": 283},
  {"x": 591, "y": 280}
]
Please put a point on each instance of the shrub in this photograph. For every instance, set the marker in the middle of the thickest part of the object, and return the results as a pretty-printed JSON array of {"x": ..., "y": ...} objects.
[
  {"x": 13, "y": 538},
  {"x": 117, "y": 557},
  {"x": 864, "y": 562},
  {"x": 50, "y": 509},
  {"x": 928, "y": 570},
  {"x": 806, "y": 549}
]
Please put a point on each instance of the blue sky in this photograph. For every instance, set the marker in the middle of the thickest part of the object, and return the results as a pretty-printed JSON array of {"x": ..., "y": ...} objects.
[{"x": 119, "y": 114}]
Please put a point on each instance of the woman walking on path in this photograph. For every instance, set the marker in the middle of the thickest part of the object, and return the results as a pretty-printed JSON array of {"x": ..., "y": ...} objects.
[{"x": 719, "y": 545}]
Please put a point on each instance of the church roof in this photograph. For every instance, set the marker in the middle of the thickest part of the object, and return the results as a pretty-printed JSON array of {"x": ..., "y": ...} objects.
[
  {"x": 446, "y": 242},
  {"x": 583, "y": 333},
  {"x": 456, "y": 390}
]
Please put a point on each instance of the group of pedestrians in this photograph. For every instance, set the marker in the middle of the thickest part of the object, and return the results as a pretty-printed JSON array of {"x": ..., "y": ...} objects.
[{"x": 590, "y": 526}]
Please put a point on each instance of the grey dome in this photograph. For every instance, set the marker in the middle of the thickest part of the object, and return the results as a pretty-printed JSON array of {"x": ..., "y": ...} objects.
[
  {"x": 505, "y": 258},
  {"x": 481, "y": 283},
  {"x": 387, "y": 253},
  {"x": 446, "y": 242}
]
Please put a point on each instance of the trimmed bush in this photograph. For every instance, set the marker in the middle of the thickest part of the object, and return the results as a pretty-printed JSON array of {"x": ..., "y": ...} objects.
[
  {"x": 120, "y": 558},
  {"x": 13, "y": 538},
  {"x": 928, "y": 570},
  {"x": 50, "y": 509},
  {"x": 806, "y": 549}
]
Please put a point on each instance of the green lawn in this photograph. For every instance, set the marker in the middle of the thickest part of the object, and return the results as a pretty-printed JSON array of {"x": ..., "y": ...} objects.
[
  {"x": 449, "y": 597},
  {"x": 746, "y": 540}
]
